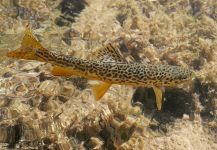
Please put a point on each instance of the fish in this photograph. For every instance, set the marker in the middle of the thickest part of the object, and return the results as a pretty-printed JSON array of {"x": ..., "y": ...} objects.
[{"x": 107, "y": 65}]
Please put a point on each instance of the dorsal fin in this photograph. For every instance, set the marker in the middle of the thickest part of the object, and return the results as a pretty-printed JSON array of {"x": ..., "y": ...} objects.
[
  {"x": 29, "y": 41},
  {"x": 109, "y": 54}
]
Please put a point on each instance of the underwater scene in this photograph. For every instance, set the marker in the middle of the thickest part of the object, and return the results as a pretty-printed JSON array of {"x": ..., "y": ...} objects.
[{"x": 107, "y": 75}]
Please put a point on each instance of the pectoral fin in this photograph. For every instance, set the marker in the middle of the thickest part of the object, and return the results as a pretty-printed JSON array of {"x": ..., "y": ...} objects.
[
  {"x": 100, "y": 89},
  {"x": 158, "y": 95}
]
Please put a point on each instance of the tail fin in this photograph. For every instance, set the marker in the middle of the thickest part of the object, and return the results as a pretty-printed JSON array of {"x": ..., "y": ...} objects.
[{"x": 28, "y": 47}]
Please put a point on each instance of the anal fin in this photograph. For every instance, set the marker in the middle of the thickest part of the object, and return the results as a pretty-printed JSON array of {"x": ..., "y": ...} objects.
[
  {"x": 100, "y": 89},
  {"x": 61, "y": 71},
  {"x": 159, "y": 97}
]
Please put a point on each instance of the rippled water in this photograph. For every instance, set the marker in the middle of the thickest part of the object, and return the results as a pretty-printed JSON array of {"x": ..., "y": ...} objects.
[{"x": 41, "y": 111}]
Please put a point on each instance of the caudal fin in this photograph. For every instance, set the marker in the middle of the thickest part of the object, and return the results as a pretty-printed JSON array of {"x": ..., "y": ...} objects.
[{"x": 29, "y": 45}]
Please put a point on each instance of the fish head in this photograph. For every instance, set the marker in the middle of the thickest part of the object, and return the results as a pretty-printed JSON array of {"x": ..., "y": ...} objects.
[{"x": 181, "y": 74}]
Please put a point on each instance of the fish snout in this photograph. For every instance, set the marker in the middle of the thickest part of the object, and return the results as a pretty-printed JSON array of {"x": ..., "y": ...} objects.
[{"x": 186, "y": 74}]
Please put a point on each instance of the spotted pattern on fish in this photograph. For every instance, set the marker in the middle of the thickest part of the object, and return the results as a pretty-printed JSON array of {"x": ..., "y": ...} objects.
[
  {"x": 122, "y": 73},
  {"x": 107, "y": 65}
]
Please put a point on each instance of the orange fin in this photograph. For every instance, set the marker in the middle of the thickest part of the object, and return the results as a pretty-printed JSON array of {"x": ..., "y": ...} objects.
[
  {"x": 100, "y": 89},
  {"x": 28, "y": 47},
  {"x": 67, "y": 71},
  {"x": 159, "y": 97},
  {"x": 30, "y": 42},
  {"x": 61, "y": 71}
]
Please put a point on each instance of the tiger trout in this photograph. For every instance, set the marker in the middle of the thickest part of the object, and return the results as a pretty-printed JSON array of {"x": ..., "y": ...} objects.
[{"x": 108, "y": 66}]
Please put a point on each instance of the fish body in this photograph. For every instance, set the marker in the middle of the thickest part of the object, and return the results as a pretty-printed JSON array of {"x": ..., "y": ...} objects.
[
  {"x": 108, "y": 66},
  {"x": 120, "y": 73}
]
